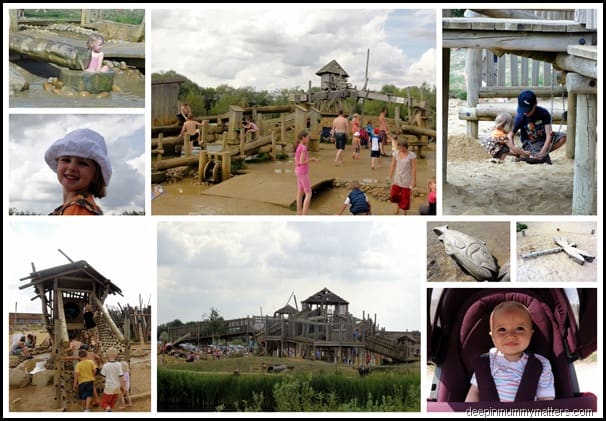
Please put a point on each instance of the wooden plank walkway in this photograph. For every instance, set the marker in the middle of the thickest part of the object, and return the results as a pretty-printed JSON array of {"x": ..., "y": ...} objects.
[{"x": 276, "y": 189}]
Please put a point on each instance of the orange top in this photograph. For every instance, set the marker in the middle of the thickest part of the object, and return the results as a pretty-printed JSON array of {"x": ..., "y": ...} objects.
[{"x": 79, "y": 206}]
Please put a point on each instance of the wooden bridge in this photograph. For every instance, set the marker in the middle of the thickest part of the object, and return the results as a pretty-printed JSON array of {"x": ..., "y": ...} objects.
[{"x": 299, "y": 334}]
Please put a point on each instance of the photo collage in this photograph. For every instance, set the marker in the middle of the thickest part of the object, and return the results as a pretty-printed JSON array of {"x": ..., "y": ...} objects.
[{"x": 303, "y": 209}]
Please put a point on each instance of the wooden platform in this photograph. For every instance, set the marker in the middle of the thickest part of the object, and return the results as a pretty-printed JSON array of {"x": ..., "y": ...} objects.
[{"x": 278, "y": 189}]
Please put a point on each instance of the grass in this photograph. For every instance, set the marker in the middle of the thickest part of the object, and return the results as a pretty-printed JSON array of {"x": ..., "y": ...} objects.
[
  {"x": 129, "y": 16},
  {"x": 243, "y": 384}
]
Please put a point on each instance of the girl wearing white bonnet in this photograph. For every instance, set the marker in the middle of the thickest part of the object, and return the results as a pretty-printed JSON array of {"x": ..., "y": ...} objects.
[{"x": 83, "y": 169}]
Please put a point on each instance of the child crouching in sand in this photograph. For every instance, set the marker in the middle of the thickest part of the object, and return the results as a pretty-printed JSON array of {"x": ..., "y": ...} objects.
[{"x": 498, "y": 144}]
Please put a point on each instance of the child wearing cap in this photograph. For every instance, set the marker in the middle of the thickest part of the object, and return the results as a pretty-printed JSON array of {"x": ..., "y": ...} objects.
[
  {"x": 83, "y": 169},
  {"x": 534, "y": 124}
]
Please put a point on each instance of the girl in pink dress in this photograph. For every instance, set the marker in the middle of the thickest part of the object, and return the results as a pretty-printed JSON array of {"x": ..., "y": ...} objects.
[{"x": 302, "y": 161}]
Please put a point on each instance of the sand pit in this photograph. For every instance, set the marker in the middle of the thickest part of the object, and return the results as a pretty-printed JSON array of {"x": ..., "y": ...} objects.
[
  {"x": 556, "y": 266},
  {"x": 475, "y": 186}
]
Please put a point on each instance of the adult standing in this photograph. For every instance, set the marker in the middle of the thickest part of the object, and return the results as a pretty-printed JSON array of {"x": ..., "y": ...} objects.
[
  {"x": 340, "y": 128},
  {"x": 383, "y": 130}
]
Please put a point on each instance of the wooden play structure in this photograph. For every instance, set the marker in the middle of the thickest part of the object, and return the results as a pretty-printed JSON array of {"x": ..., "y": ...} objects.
[
  {"x": 224, "y": 140},
  {"x": 323, "y": 329},
  {"x": 63, "y": 292},
  {"x": 557, "y": 51}
]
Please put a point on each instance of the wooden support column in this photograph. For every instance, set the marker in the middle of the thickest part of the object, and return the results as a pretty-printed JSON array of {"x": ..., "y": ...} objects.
[
  {"x": 202, "y": 161},
  {"x": 235, "y": 114},
  {"x": 225, "y": 166},
  {"x": 204, "y": 133},
  {"x": 585, "y": 172},
  {"x": 259, "y": 123},
  {"x": 300, "y": 119},
  {"x": 445, "y": 89},
  {"x": 186, "y": 145},
  {"x": 473, "y": 69},
  {"x": 283, "y": 127},
  {"x": 571, "y": 125}
]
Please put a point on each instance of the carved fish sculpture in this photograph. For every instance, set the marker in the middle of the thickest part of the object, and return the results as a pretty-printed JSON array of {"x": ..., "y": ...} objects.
[{"x": 469, "y": 252}]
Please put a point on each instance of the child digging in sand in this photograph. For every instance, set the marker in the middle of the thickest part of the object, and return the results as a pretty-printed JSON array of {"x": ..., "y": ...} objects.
[{"x": 498, "y": 144}]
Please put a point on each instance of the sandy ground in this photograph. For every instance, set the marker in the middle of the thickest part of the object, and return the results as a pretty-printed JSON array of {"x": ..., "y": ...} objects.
[
  {"x": 476, "y": 186},
  {"x": 186, "y": 197},
  {"x": 558, "y": 266},
  {"x": 41, "y": 398},
  {"x": 443, "y": 268}
]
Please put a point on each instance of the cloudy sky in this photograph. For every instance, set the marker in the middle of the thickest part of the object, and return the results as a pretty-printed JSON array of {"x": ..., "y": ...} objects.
[
  {"x": 33, "y": 186},
  {"x": 242, "y": 268},
  {"x": 269, "y": 47},
  {"x": 122, "y": 249}
]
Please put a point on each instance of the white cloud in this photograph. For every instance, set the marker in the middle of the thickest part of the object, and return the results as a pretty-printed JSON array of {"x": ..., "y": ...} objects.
[
  {"x": 243, "y": 268},
  {"x": 121, "y": 249},
  {"x": 33, "y": 186},
  {"x": 280, "y": 48}
]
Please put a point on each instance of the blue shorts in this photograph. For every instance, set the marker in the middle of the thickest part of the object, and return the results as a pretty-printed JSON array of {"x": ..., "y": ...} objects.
[
  {"x": 340, "y": 140},
  {"x": 85, "y": 390}
]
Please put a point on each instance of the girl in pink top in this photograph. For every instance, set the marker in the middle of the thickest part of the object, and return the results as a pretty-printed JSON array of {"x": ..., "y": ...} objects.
[
  {"x": 94, "y": 44},
  {"x": 302, "y": 161}
]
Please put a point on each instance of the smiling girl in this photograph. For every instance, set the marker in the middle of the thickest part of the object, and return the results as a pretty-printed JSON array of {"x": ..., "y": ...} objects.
[{"x": 83, "y": 169}]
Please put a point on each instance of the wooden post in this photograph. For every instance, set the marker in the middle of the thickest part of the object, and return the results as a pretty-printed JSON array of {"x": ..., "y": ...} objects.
[
  {"x": 235, "y": 121},
  {"x": 409, "y": 103},
  {"x": 513, "y": 63},
  {"x": 204, "y": 133},
  {"x": 273, "y": 146},
  {"x": 242, "y": 142},
  {"x": 160, "y": 146},
  {"x": 396, "y": 119},
  {"x": 473, "y": 69},
  {"x": 202, "y": 161},
  {"x": 283, "y": 127},
  {"x": 571, "y": 125},
  {"x": 445, "y": 89},
  {"x": 584, "y": 184},
  {"x": 186, "y": 145},
  {"x": 300, "y": 119},
  {"x": 259, "y": 122},
  {"x": 225, "y": 166},
  {"x": 14, "y": 26},
  {"x": 501, "y": 65}
]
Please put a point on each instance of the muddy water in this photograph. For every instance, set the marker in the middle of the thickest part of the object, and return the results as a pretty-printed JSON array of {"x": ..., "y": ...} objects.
[
  {"x": 185, "y": 197},
  {"x": 558, "y": 266},
  {"x": 443, "y": 268},
  {"x": 132, "y": 95}
]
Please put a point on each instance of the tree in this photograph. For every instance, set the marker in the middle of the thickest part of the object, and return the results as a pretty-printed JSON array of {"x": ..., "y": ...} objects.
[{"x": 214, "y": 325}]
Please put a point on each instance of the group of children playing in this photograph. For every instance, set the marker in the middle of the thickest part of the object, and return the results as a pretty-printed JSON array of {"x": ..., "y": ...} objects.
[
  {"x": 117, "y": 381},
  {"x": 116, "y": 373}
]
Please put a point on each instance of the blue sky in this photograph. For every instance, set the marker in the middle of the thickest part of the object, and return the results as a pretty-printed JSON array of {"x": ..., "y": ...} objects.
[{"x": 284, "y": 45}]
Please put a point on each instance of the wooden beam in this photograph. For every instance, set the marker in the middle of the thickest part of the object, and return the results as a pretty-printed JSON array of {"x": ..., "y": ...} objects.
[
  {"x": 580, "y": 65},
  {"x": 510, "y": 92},
  {"x": 508, "y": 41},
  {"x": 513, "y": 25},
  {"x": 581, "y": 85}
]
